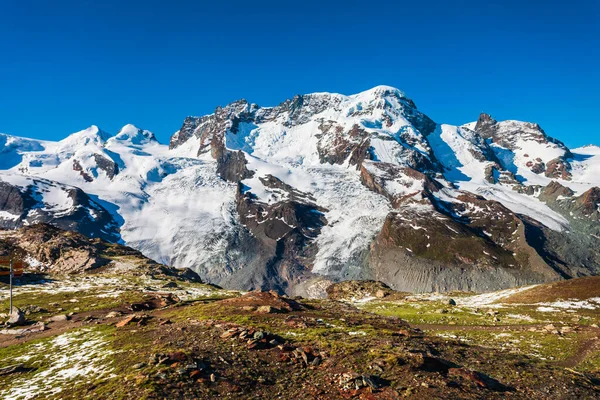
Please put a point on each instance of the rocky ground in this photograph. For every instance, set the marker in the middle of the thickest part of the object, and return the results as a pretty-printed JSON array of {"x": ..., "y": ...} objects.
[{"x": 118, "y": 336}]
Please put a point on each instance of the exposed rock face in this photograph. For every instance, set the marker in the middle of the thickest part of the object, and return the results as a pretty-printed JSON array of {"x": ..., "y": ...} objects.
[
  {"x": 555, "y": 190},
  {"x": 77, "y": 167},
  {"x": 231, "y": 166},
  {"x": 49, "y": 249},
  {"x": 13, "y": 201},
  {"x": 558, "y": 168},
  {"x": 512, "y": 134},
  {"x": 470, "y": 244},
  {"x": 337, "y": 146},
  {"x": 396, "y": 183},
  {"x": 79, "y": 212},
  {"x": 588, "y": 204},
  {"x": 283, "y": 229},
  {"x": 108, "y": 166}
]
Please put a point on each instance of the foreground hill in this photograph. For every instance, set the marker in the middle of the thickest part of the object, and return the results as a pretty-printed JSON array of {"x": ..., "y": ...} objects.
[
  {"x": 120, "y": 336},
  {"x": 321, "y": 188},
  {"x": 46, "y": 249}
]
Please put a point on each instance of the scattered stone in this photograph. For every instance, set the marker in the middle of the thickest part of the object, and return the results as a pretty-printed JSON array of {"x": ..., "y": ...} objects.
[
  {"x": 353, "y": 381},
  {"x": 170, "y": 285},
  {"x": 58, "y": 318},
  {"x": 550, "y": 328},
  {"x": 266, "y": 310},
  {"x": 139, "y": 365},
  {"x": 230, "y": 333},
  {"x": 451, "y": 302},
  {"x": 177, "y": 356},
  {"x": 566, "y": 329},
  {"x": 31, "y": 309},
  {"x": 259, "y": 335},
  {"x": 113, "y": 314}
]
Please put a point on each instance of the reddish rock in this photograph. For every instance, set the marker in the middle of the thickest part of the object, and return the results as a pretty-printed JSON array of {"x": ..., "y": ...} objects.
[{"x": 123, "y": 322}]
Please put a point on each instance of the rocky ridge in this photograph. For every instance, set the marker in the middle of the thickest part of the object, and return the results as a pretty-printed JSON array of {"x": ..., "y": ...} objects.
[{"x": 326, "y": 187}]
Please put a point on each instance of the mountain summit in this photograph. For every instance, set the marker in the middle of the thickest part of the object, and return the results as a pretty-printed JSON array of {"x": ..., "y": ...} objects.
[{"x": 321, "y": 188}]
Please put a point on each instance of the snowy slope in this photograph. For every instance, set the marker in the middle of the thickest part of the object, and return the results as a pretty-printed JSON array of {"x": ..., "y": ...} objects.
[{"x": 179, "y": 204}]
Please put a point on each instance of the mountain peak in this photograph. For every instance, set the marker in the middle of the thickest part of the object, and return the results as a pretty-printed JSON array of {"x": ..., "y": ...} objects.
[
  {"x": 382, "y": 91},
  {"x": 134, "y": 135},
  {"x": 90, "y": 135}
]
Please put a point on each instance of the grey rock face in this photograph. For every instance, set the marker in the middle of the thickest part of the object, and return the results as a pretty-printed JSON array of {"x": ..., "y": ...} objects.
[
  {"x": 106, "y": 165},
  {"x": 83, "y": 215}
]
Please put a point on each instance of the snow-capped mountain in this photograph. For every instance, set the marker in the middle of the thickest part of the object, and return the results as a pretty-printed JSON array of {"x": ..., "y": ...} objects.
[{"x": 323, "y": 187}]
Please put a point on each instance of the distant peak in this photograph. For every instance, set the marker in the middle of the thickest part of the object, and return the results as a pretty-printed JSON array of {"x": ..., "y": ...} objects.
[
  {"x": 385, "y": 90},
  {"x": 92, "y": 134},
  {"x": 134, "y": 135}
]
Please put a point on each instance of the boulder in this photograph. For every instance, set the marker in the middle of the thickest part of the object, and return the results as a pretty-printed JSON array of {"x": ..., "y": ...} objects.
[{"x": 16, "y": 317}]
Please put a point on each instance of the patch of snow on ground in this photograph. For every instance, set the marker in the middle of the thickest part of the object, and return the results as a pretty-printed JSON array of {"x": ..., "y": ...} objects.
[
  {"x": 72, "y": 358},
  {"x": 489, "y": 299}
]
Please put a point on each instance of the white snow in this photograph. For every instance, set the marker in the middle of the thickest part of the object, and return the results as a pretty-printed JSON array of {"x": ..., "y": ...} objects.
[{"x": 172, "y": 206}]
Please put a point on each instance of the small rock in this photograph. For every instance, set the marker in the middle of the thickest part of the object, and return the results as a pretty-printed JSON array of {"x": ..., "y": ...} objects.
[
  {"x": 213, "y": 378},
  {"x": 139, "y": 365},
  {"x": 58, "y": 318},
  {"x": 177, "y": 356},
  {"x": 195, "y": 374},
  {"x": 126, "y": 321},
  {"x": 113, "y": 314},
  {"x": 451, "y": 302},
  {"x": 566, "y": 329},
  {"x": 266, "y": 310},
  {"x": 30, "y": 309},
  {"x": 259, "y": 335}
]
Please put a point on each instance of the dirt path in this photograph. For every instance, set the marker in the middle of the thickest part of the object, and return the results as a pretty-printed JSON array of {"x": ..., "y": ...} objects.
[
  {"x": 489, "y": 328},
  {"x": 584, "y": 349}
]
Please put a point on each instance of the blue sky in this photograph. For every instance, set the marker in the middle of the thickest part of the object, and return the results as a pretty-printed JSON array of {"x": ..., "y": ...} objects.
[{"x": 66, "y": 65}]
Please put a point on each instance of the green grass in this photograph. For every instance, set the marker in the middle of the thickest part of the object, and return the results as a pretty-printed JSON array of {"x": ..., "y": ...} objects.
[
  {"x": 428, "y": 312},
  {"x": 87, "y": 300}
]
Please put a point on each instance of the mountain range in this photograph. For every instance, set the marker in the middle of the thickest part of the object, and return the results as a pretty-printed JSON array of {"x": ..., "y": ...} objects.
[{"x": 322, "y": 188}]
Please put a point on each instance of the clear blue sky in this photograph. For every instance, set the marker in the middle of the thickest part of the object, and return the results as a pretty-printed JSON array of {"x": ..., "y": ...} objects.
[{"x": 66, "y": 65}]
